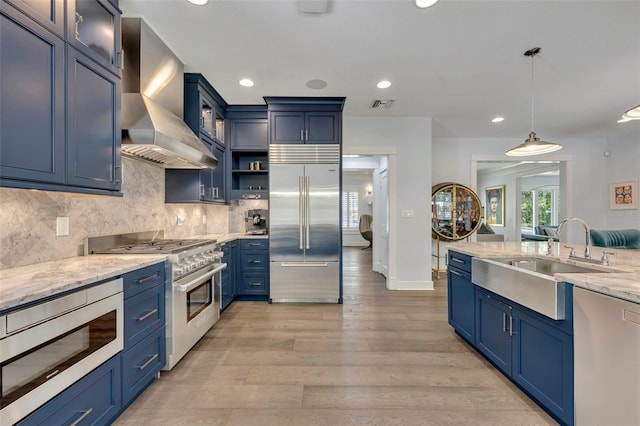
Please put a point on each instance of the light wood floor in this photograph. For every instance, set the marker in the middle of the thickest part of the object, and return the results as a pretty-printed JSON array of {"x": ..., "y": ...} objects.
[{"x": 382, "y": 358}]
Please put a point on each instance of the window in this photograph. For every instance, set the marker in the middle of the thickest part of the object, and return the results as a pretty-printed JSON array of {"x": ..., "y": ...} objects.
[
  {"x": 539, "y": 207},
  {"x": 350, "y": 210}
]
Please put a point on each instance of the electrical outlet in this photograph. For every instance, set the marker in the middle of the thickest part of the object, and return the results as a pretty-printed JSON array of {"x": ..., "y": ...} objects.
[
  {"x": 204, "y": 219},
  {"x": 179, "y": 220},
  {"x": 62, "y": 226},
  {"x": 407, "y": 213}
]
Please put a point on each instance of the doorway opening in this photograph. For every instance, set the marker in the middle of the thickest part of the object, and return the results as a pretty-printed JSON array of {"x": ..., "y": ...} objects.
[{"x": 365, "y": 191}]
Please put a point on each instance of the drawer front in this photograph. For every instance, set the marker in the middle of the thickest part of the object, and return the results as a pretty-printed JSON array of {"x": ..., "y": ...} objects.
[
  {"x": 460, "y": 261},
  {"x": 141, "y": 363},
  {"x": 94, "y": 399},
  {"x": 254, "y": 244},
  {"x": 143, "y": 279},
  {"x": 254, "y": 261},
  {"x": 254, "y": 284},
  {"x": 143, "y": 313}
]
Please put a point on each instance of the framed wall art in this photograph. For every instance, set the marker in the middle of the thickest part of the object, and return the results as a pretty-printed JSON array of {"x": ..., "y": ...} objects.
[
  {"x": 494, "y": 207},
  {"x": 623, "y": 195}
]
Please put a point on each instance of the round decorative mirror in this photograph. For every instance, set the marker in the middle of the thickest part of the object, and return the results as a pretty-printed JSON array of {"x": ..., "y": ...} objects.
[{"x": 456, "y": 211}]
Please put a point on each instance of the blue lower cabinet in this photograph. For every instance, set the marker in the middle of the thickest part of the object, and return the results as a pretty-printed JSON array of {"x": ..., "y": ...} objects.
[
  {"x": 229, "y": 274},
  {"x": 493, "y": 332},
  {"x": 461, "y": 295},
  {"x": 534, "y": 351},
  {"x": 253, "y": 284},
  {"x": 140, "y": 365},
  {"x": 253, "y": 276},
  {"x": 543, "y": 364},
  {"x": 93, "y": 400}
]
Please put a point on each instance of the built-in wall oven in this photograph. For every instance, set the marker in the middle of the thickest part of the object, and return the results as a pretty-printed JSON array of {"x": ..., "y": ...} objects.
[
  {"x": 46, "y": 347},
  {"x": 193, "y": 290}
]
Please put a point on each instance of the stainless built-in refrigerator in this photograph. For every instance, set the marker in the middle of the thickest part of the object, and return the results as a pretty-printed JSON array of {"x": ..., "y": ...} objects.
[{"x": 304, "y": 223}]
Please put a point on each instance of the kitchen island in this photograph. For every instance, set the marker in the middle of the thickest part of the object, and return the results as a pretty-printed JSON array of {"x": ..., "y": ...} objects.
[{"x": 500, "y": 315}]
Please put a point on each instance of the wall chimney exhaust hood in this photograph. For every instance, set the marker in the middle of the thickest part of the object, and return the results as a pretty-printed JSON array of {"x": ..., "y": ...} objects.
[{"x": 152, "y": 103}]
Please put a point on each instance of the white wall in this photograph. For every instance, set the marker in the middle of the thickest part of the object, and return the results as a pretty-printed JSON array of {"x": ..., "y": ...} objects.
[
  {"x": 586, "y": 172},
  {"x": 408, "y": 141},
  {"x": 623, "y": 164}
]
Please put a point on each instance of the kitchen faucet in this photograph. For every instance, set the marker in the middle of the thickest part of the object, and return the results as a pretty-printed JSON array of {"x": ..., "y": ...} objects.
[{"x": 587, "y": 248}]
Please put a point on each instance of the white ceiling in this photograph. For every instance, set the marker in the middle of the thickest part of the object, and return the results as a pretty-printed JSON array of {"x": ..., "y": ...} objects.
[{"x": 460, "y": 62}]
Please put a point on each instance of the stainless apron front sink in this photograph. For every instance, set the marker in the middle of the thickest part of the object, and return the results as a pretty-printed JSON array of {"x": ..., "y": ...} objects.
[{"x": 528, "y": 281}]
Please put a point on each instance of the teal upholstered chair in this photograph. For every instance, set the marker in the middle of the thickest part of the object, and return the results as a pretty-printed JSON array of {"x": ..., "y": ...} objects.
[{"x": 616, "y": 238}]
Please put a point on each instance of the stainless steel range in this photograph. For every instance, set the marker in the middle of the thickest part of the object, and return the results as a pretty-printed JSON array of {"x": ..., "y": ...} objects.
[{"x": 193, "y": 284}]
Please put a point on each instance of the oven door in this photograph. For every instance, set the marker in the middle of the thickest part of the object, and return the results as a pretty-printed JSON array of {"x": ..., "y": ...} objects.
[{"x": 196, "y": 307}]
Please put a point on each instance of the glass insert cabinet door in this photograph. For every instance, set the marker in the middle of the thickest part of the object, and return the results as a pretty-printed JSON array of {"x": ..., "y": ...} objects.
[{"x": 456, "y": 211}]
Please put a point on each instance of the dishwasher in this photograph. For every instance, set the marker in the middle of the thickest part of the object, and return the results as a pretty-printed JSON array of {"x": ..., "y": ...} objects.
[{"x": 607, "y": 359}]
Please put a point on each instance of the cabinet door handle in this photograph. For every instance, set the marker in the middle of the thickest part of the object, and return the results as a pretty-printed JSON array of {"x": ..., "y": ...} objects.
[
  {"x": 301, "y": 134},
  {"x": 118, "y": 62},
  {"x": 202, "y": 190},
  {"x": 455, "y": 273},
  {"x": 117, "y": 174},
  {"x": 510, "y": 325},
  {"x": 504, "y": 322},
  {"x": 306, "y": 135},
  {"x": 216, "y": 192},
  {"x": 458, "y": 260},
  {"x": 149, "y": 361},
  {"x": 82, "y": 417},
  {"x": 148, "y": 278},
  {"x": 147, "y": 315}
]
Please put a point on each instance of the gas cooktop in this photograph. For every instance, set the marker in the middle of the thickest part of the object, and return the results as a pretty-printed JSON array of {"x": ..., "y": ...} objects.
[{"x": 142, "y": 243}]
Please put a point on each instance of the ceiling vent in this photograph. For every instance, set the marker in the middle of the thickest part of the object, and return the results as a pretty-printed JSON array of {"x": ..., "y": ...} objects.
[
  {"x": 313, "y": 6},
  {"x": 381, "y": 104}
]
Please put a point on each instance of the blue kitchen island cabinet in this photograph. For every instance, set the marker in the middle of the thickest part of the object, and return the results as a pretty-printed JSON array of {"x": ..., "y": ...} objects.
[
  {"x": 534, "y": 351},
  {"x": 305, "y": 120},
  {"x": 93, "y": 400},
  {"x": 63, "y": 134},
  {"x": 461, "y": 295}
]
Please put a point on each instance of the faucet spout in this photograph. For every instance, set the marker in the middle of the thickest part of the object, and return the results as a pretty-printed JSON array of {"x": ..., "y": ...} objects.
[{"x": 587, "y": 243}]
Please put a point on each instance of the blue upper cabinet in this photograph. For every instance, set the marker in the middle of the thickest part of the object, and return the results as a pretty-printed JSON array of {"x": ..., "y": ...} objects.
[
  {"x": 47, "y": 13},
  {"x": 93, "y": 27},
  {"x": 32, "y": 132},
  {"x": 305, "y": 120},
  {"x": 93, "y": 124},
  {"x": 60, "y": 109},
  {"x": 204, "y": 113}
]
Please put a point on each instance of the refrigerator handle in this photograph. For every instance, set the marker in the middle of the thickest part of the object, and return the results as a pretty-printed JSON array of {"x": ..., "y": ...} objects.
[
  {"x": 301, "y": 208},
  {"x": 308, "y": 213}
]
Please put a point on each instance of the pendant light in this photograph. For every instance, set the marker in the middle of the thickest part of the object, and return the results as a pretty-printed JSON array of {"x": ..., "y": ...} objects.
[
  {"x": 533, "y": 145},
  {"x": 631, "y": 114}
]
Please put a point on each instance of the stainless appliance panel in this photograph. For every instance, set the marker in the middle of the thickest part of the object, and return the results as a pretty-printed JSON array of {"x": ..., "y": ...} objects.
[
  {"x": 285, "y": 216},
  {"x": 305, "y": 282},
  {"x": 607, "y": 359},
  {"x": 323, "y": 212}
]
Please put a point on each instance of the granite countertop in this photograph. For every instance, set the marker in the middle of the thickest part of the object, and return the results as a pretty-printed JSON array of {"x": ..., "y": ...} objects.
[
  {"x": 624, "y": 284},
  {"x": 25, "y": 284}
]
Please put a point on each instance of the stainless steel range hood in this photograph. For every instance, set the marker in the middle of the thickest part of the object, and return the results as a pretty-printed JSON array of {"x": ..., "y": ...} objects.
[{"x": 152, "y": 103}]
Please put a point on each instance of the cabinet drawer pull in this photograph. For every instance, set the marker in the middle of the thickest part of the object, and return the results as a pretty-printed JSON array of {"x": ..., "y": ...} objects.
[
  {"x": 255, "y": 284},
  {"x": 255, "y": 244},
  {"x": 255, "y": 261},
  {"x": 147, "y": 315},
  {"x": 455, "y": 273},
  {"x": 149, "y": 361},
  {"x": 148, "y": 278},
  {"x": 458, "y": 260},
  {"x": 82, "y": 417}
]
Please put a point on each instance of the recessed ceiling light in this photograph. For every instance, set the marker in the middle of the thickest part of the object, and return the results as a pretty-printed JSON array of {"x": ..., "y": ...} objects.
[
  {"x": 246, "y": 82},
  {"x": 198, "y": 2},
  {"x": 316, "y": 84},
  {"x": 383, "y": 84},
  {"x": 497, "y": 119},
  {"x": 423, "y": 4}
]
